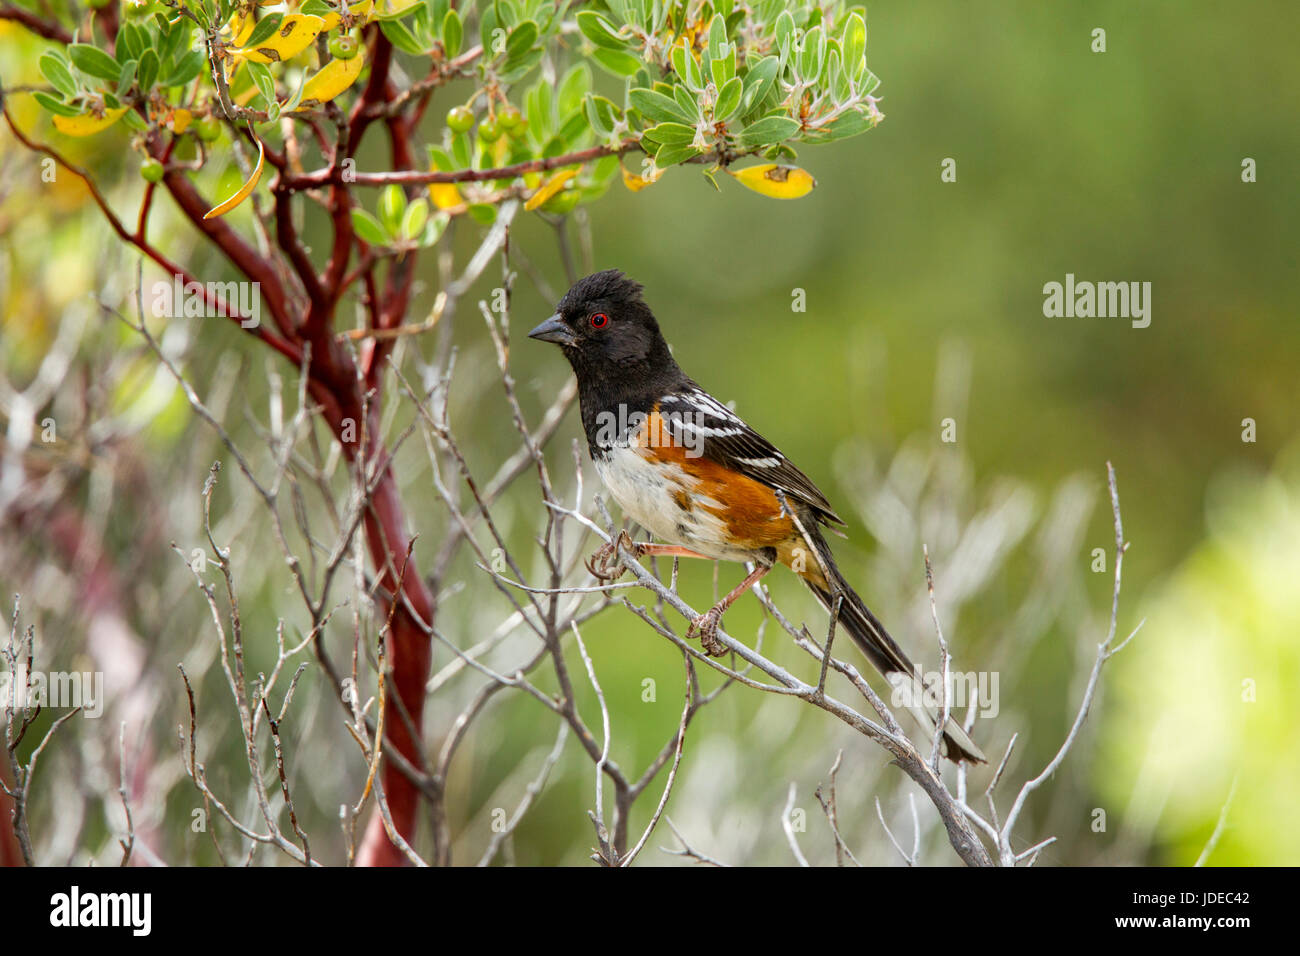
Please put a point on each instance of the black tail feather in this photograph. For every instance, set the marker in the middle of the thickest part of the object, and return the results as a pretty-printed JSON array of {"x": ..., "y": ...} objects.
[{"x": 884, "y": 653}]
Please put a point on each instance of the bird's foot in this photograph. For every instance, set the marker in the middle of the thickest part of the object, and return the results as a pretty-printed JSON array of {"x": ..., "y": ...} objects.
[
  {"x": 605, "y": 563},
  {"x": 706, "y": 628}
]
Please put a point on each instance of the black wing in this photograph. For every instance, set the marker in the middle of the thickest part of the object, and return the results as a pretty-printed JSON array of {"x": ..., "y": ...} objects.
[{"x": 698, "y": 420}]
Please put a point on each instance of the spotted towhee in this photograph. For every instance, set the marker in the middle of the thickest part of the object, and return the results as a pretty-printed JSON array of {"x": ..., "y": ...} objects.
[{"x": 689, "y": 471}]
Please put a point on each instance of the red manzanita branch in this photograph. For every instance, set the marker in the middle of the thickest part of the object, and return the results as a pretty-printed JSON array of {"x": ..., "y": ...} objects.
[
  {"x": 49, "y": 29},
  {"x": 138, "y": 240},
  {"x": 346, "y": 398},
  {"x": 321, "y": 177}
]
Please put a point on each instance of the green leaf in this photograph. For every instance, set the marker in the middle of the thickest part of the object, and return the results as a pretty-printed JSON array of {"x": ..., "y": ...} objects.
[
  {"x": 516, "y": 69},
  {"x": 53, "y": 104},
  {"x": 483, "y": 213},
  {"x": 573, "y": 89},
  {"x": 462, "y": 150},
  {"x": 717, "y": 36},
  {"x": 520, "y": 41},
  {"x": 674, "y": 133},
  {"x": 367, "y": 228},
  {"x": 842, "y": 127},
  {"x": 433, "y": 231},
  {"x": 487, "y": 26},
  {"x": 453, "y": 31},
  {"x": 812, "y": 57},
  {"x": 687, "y": 101},
  {"x": 400, "y": 35},
  {"x": 293, "y": 101},
  {"x": 392, "y": 206},
  {"x": 602, "y": 114},
  {"x": 723, "y": 68},
  {"x": 187, "y": 69},
  {"x": 265, "y": 27},
  {"x": 758, "y": 84},
  {"x": 769, "y": 129},
  {"x": 440, "y": 159},
  {"x": 93, "y": 61},
  {"x": 555, "y": 146},
  {"x": 415, "y": 219},
  {"x": 855, "y": 42},
  {"x": 174, "y": 39},
  {"x": 600, "y": 31},
  {"x": 127, "y": 78},
  {"x": 618, "y": 63},
  {"x": 57, "y": 72},
  {"x": 658, "y": 107},
  {"x": 728, "y": 99},
  {"x": 146, "y": 74},
  {"x": 687, "y": 69},
  {"x": 836, "y": 80},
  {"x": 574, "y": 127},
  {"x": 784, "y": 32},
  {"x": 129, "y": 44},
  {"x": 265, "y": 83},
  {"x": 671, "y": 155}
]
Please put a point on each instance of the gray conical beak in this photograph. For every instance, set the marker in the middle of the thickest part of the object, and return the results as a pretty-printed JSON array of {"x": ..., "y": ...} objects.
[{"x": 554, "y": 330}]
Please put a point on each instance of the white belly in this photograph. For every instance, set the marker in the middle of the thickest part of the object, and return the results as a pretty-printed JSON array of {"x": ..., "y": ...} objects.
[{"x": 648, "y": 495}]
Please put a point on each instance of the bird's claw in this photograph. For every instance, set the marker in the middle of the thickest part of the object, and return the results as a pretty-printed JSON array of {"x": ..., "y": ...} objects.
[
  {"x": 706, "y": 628},
  {"x": 605, "y": 564}
]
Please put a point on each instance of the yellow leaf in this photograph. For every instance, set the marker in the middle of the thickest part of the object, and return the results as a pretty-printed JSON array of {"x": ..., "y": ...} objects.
[
  {"x": 294, "y": 35},
  {"x": 331, "y": 80},
  {"x": 444, "y": 195},
  {"x": 180, "y": 120},
  {"x": 778, "y": 182},
  {"x": 241, "y": 26},
  {"x": 550, "y": 188},
  {"x": 87, "y": 124},
  {"x": 244, "y": 191},
  {"x": 637, "y": 183},
  {"x": 358, "y": 11}
]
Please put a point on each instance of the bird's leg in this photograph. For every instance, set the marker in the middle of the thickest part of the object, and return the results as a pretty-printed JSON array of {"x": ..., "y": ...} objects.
[
  {"x": 604, "y": 564},
  {"x": 706, "y": 625}
]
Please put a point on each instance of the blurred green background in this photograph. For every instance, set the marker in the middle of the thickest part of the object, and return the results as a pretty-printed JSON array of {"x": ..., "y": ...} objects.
[{"x": 1117, "y": 166}]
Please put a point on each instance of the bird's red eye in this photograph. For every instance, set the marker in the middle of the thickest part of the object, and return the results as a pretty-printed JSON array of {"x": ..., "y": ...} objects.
[{"x": 599, "y": 320}]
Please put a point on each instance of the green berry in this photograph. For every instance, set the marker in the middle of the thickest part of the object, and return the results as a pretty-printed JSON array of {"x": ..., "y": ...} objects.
[
  {"x": 509, "y": 117},
  {"x": 151, "y": 171},
  {"x": 520, "y": 129},
  {"x": 460, "y": 119},
  {"x": 489, "y": 131},
  {"x": 208, "y": 129},
  {"x": 344, "y": 47}
]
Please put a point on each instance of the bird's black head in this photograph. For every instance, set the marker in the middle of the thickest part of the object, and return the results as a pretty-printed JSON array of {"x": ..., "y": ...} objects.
[{"x": 606, "y": 329}]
